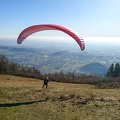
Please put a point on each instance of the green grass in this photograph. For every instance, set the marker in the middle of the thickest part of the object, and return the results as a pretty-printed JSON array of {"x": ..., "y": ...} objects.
[{"x": 24, "y": 99}]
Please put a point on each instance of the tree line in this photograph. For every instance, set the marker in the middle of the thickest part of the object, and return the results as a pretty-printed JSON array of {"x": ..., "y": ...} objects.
[{"x": 13, "y": 68}]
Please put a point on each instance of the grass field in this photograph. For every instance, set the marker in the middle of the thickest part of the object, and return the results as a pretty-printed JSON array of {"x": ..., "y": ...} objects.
[{"x": 24, "y": 99}]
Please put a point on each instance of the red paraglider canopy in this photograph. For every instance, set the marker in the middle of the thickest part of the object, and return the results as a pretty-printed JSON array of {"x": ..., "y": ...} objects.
[{"x": 36, "y": 28}]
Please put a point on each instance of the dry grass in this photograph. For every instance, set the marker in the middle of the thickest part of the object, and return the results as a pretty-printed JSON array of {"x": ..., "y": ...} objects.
[{"x": 23, "y": 98}]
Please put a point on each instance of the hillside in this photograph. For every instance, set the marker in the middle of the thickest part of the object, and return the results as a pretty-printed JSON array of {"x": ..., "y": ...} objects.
[
  {"x": 23, "y": 98},
  {"x": 94, "y": 68}
]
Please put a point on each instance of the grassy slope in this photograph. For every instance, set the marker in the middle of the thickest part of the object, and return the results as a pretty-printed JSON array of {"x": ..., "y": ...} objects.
[{"x": 24, "y": 99}]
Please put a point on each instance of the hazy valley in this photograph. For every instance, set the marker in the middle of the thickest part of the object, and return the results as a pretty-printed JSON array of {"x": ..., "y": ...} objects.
[{"x": 55, "y": 56}]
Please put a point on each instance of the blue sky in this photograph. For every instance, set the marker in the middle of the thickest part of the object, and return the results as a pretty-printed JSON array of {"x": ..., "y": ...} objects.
[{"x": 90, "y": 18}]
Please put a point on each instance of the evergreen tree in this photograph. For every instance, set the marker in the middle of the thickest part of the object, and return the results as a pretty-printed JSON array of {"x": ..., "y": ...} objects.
[
  {"x": 110, "y": 72},
  {"x": 117, "y": 69},
  {"x": 114, "y": 70}
]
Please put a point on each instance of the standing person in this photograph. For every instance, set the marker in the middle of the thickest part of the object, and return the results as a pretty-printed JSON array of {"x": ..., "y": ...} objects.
[{"x": 46, "y": 80}]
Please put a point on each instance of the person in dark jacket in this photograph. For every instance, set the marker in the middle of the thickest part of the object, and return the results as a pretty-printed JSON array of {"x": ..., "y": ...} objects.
[{"x": 46, "y": 80}]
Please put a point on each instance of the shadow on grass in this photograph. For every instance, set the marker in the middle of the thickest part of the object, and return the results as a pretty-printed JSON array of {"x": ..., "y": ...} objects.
[{"x": 19, "y": 104}]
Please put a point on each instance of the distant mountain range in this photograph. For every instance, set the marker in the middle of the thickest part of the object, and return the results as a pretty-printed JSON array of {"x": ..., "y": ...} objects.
[{"x": 61, "y": 57}]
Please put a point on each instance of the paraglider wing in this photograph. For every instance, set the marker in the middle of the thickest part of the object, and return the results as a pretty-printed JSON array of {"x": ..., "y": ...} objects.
[{"x": 36, "y": 28}]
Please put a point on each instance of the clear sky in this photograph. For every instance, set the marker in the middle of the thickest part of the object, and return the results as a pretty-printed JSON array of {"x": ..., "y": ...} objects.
[{"x": 90, "y": 18}]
